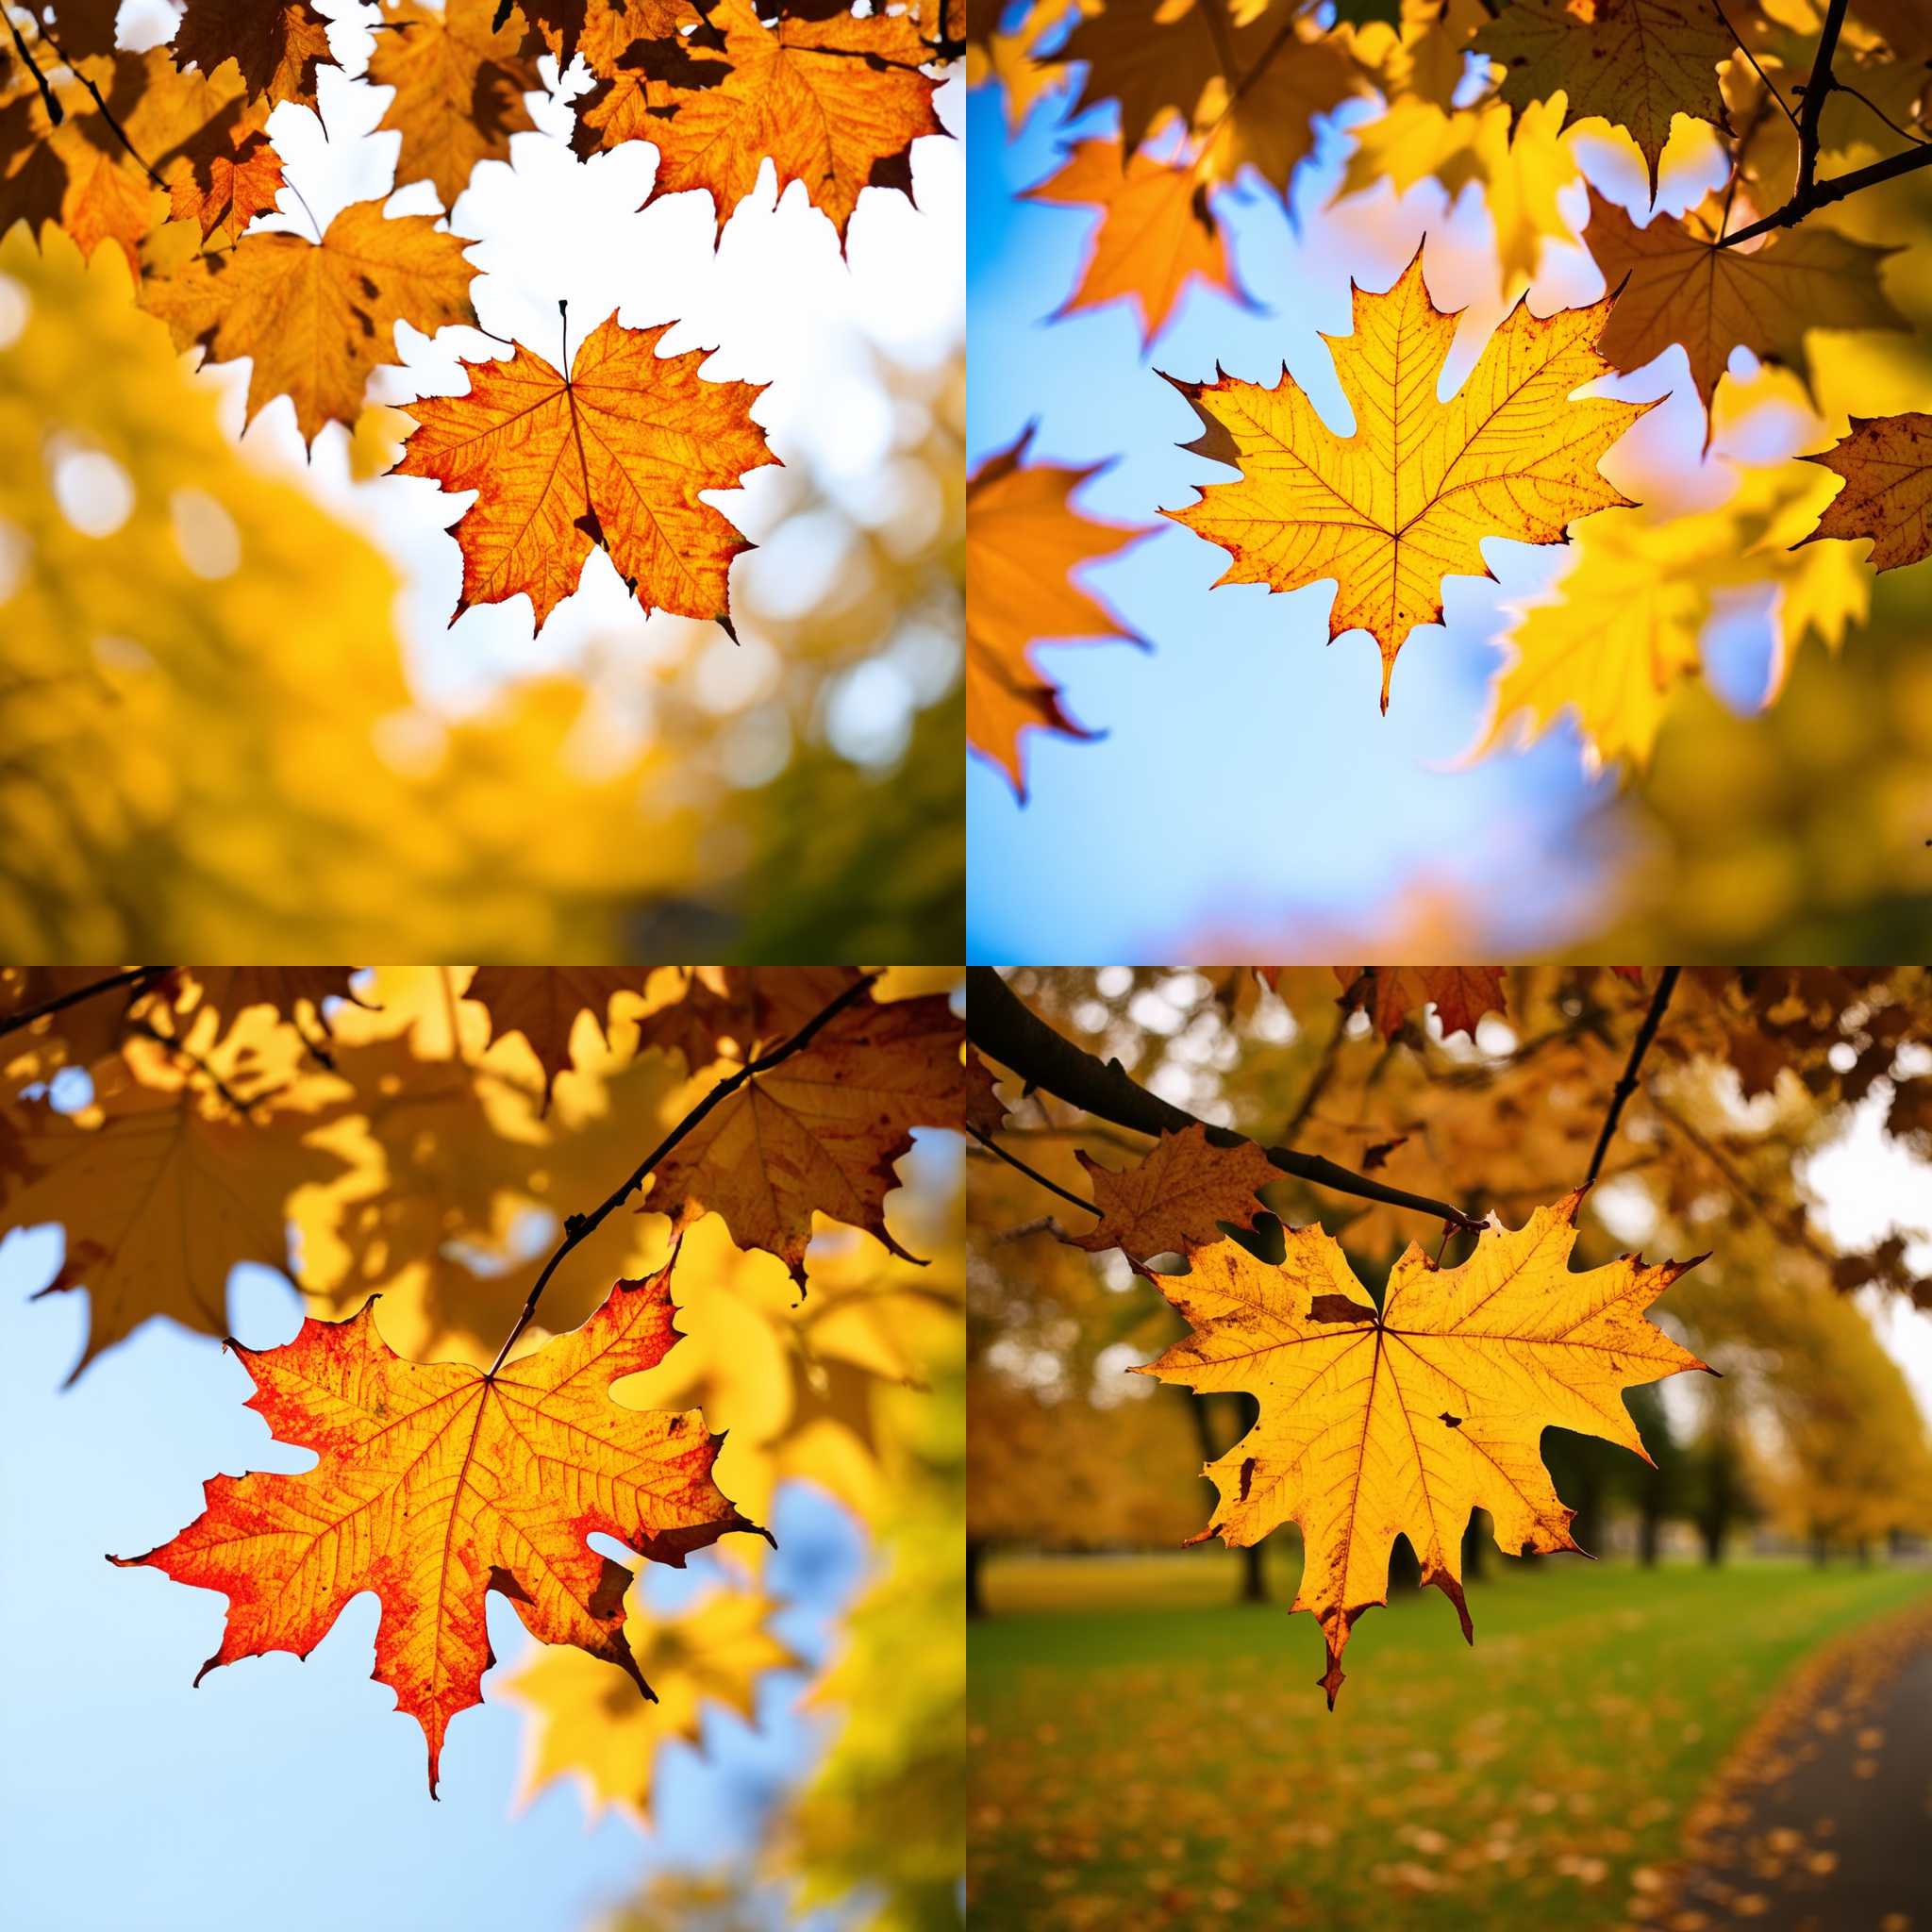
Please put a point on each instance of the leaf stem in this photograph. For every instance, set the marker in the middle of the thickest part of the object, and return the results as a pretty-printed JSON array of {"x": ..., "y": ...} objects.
[
  {"x": 1006, "y": 1030},
  {"x": 1666, "y": 986},
  {"x": 578, "y": 1228}
]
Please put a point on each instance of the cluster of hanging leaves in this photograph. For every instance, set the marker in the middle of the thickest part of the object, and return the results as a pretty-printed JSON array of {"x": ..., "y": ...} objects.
[
  {"x": 1393, "y": 1388},
  {"x": 385, "y": 1139},
  {"x": 166, "y": 153},
  {"x": 1536, "y": 108}
]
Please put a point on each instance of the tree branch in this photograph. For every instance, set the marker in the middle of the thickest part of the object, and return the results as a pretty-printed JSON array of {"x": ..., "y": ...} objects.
[
  {"x": 49, "y": 99},
  {"x": 1809, "y": 193},
  {"x": 106, "y": 112},
  {"x": 577, "y": 1229},
  {"x": 13, "y": 1023},
  {"x": 1005, "y": 1029},
  {"x": 1666, "y": 986},
  {"x": 148, "y": 1030}
]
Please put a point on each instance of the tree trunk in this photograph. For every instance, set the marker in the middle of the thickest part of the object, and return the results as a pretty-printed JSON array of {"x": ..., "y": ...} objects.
[
  {"x": 1254, "y": 1575},
  {"x": 1821, "y": 1550},
  {"x": 976, "y": 1601},
  {"x": 1476, "y": 1547},
  {"x": 1650, "y": 1536},
  {"x": 1405, "y": 1570}
]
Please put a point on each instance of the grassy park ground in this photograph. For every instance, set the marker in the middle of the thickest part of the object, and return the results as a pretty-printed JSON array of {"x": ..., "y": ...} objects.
[{"x": 1147, "y": 1752}]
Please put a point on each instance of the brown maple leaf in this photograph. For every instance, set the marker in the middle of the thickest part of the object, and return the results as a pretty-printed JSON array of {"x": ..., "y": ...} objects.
[
  {"x": 278, "y": 44},
  {"x": 818, "y": 1132},
  {"x": 1674, "y": 283},
  {"x": 1886, "y": 464},
  {"x": 613, "y": 455},
  {"x": 1177, "y": 1195},
  {"x": 1024, "y": 541},
  {"x": 437, "y": 1484},
  {"x": 542, "y": 1003}
]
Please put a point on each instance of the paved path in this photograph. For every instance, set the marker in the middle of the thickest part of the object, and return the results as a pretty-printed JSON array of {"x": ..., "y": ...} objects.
[{"x": 1822, "y": 1820}]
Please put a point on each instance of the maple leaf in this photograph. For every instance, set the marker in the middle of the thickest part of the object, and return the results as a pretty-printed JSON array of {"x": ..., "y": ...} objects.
[
  {"x": 278, "y": 44},
  {"x": 831, "y": 98},
  {"x": 163, "y": 1189},
  {"x": 226, "y": 182},
  {"x": 738, "y": 1011},
  {"x": 820, "y": 1131},
  {"x": 459, "y": 83},
  {"x": 1024, "y": 541},
  {"x": 1400, "y": 1421},
  {"x": 542, "y": 1003},
  {"x": 317, "y": 317},
  {"x": 232, "y": 992},
  {"x": 613, "y": 454},
  {"x": 437, "y": 1484},
  {"x": 1461, "y": 994},
  {"x": 1674, "y": 284},
  {"x": 1157, "y": 234},
  {"x": 1406, "y": 501},
  {"x": 714, "y": 1652},
  {"x": 1887, "y": 465},
  {"x": 1177, "y": 1194},
  {"x": 1635, "y": 62}
]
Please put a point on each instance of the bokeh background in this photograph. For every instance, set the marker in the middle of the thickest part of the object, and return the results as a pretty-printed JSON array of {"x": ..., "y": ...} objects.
[
  {"x": 1151, "y": 1746},
  {"x": 619, "y": 785},
  {"x": 1245, "y": 799}
]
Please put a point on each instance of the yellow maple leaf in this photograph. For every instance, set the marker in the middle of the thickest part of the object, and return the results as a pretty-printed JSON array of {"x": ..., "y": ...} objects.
[
  {"x": 1408, "y": 498},
  {"x": 1402, "y": 1419},
  {"x": 587, "y": 1722}
]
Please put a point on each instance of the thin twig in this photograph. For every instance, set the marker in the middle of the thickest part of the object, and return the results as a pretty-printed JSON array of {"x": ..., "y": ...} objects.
[
  {"x": 1045, "y": 1225},
  {"x": 1032, "y": 1174},
  {"x": 1006, "y": 1030},
  {"x": 106, "y": 112},
  {"x": 1809, "y": 193},
  {"x": 49, "y": 99},
  {"x": 578, "y": 1228},
  {"x": 1739, "y": 42},
  {"x": 134, "y": 976},
  {"x": 1666, "y": 985},
  {"x": 1845, "y": 88}
]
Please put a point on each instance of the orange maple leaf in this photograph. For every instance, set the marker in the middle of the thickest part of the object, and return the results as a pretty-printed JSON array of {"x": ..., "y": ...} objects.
[
  {"x": 820, "y": 1131},
  {"x": 316, "y": 318},
  {"x": 1157, "y": 234},
  {"x": 614, "y": 455},
  {"x": 1886, "y": 464},
  {"x": 1461, "y": 994},
  {"x": 1024, "y": 541},
  {"x": 1402, "y": 1419},
  {"x": 1409, "y": 498},
  {"x": 437, "y": 1484},
  {"x": 831, "y": 98}
]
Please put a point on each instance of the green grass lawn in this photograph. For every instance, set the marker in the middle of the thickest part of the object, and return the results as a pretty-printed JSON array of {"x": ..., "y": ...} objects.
[{"x": 1147, "y": 1754}]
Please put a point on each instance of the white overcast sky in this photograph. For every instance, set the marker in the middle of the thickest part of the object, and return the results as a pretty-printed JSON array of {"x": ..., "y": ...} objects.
[{"x": 774, "y": 299}]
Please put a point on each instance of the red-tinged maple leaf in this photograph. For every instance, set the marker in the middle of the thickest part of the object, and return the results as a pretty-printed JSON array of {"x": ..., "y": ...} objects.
[
  {"x": 1887, "y": 465},
  {"x": 1461, "y": 994},
  {"x": 615, "y": 455},
  {"x": 437, "y": 1484}
]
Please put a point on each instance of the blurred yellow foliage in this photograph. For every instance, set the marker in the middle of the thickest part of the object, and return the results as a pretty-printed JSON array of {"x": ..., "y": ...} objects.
[{"x": 211, "y": 748}]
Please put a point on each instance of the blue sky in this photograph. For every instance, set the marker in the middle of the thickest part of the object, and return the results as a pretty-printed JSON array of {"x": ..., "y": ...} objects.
[
  {"x": 1247, "y": 791},
  {"x": 283, "y": 1793}
]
